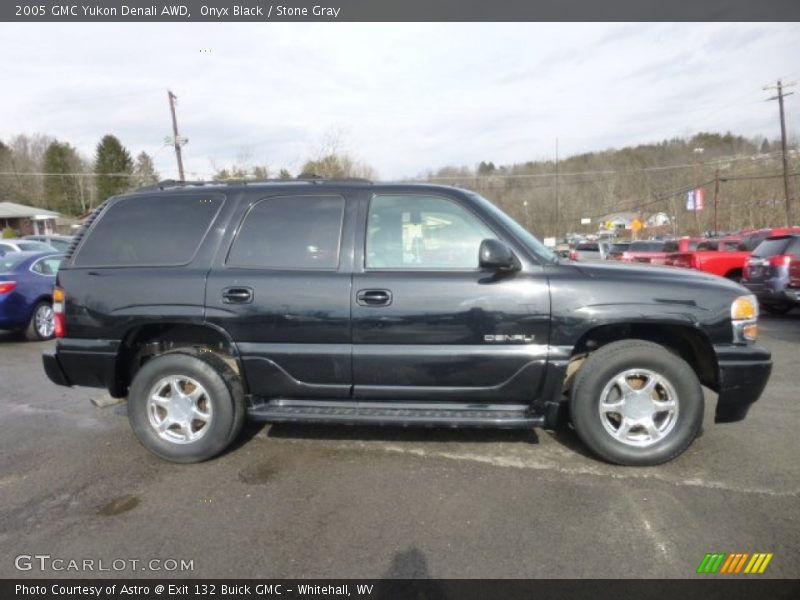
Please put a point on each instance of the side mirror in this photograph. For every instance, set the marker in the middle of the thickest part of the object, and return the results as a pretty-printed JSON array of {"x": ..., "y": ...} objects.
[{"x": 496, "y": 256}]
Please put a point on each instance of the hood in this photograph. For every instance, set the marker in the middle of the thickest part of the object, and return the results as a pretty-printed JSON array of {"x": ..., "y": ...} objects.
[{"x": 657, "y": 274}]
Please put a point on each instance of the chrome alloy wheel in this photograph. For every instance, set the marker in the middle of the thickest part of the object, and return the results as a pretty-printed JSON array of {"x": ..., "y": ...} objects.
[
  {"x": 44, "y": 321},
  {"x": 179, "y": 409},
  {"x": 638, "y": 407}
]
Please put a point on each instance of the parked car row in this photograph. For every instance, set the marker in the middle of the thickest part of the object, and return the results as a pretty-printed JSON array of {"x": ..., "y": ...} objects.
[{"x": 766, "y": 261}]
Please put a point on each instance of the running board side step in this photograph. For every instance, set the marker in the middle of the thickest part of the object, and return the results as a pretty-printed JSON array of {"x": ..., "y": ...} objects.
[{"x": 350, "y": 413}]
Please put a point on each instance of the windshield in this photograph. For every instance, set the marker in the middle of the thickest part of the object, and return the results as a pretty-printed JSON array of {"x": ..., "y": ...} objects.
[{"x": 522, "y": 234}]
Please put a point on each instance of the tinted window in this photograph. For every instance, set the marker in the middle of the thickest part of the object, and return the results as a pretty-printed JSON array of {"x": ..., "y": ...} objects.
[
  {"x": 47, "y": 266},
  {"x": 772, "y": 247},
  {"x": 794, "y": 248},
  {"x": 646, "y": 246},
  {"x": 588, "y": 247},
  {"x": 750, "y": 242},
  {"x": 422, "y": 232},
  {"x": 671, "y": 246},
  {"x": 619, "y": 247},
  {"x": 705, "y": 246},
  {"x": 149, "y": 231},
  {"x": 292, "y": 232}
]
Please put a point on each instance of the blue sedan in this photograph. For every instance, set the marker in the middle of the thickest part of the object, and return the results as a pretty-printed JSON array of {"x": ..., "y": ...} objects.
[{"x": 26, "y": 288}]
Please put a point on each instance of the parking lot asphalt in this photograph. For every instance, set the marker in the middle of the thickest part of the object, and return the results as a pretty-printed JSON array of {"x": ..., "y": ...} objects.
[{"x": 308, "y": 501}]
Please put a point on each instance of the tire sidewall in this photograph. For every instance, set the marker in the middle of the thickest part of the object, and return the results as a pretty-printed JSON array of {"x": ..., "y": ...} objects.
[
  {"x": 585, "y": 401},
  {"x": 216, "y": 438}
]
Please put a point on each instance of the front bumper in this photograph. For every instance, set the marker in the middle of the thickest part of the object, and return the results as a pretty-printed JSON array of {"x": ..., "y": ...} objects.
[
  {"x": 743, "y": 374},
  {"x": 53, "y": 368}
]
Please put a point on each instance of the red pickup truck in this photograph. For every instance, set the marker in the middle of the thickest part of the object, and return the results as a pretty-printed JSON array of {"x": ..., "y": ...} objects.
[
  {"x": 725, "y": 261},
  {"x": 654, "y": 252}
]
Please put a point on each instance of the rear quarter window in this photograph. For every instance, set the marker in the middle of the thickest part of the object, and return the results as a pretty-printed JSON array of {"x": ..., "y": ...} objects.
[
  {"x": 774, "y": 247},
  {"x": 158, "y": 230}
]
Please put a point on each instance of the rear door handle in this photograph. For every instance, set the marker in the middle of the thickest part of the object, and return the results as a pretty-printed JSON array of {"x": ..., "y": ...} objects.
[
  {"x": 374, "y": 297},
  {"x": 237, "y": 295}
]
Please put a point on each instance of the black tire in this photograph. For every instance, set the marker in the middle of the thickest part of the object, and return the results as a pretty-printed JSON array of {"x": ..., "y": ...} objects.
[
  {"x": 224, "y": 392},
  {"x": 33, "y": 331},
  {"x": 735, "y": 275},
  {"x": 601, "y": 368},
  {"x": 777, "y": 309}
]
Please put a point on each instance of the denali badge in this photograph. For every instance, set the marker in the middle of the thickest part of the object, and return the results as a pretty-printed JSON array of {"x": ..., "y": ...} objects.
[{"x": 518, "y": 337}]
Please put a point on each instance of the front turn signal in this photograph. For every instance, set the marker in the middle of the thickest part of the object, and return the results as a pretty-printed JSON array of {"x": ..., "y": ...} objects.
[{"x": 744, "y": 308}]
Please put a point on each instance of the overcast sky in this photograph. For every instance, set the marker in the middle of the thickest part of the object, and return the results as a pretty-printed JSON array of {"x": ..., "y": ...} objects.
[{"x": 405, "y": 97}]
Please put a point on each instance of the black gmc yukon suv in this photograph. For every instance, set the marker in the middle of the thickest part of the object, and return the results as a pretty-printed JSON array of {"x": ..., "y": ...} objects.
[{"x": 351, "y": 302}]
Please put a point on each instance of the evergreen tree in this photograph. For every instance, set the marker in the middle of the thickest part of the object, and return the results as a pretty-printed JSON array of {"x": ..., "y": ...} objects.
[
  {"x": 61, "y": 191},
  {"x": 112, "y": 162}
]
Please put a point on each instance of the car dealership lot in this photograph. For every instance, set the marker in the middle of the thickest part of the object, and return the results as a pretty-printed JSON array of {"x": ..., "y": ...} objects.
[{"x": 308, "y": 501}]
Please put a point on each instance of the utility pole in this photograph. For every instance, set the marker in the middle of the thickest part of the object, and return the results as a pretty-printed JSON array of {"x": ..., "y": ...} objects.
[
  {"x": 779, "y": 97},
  {"x": 716, "y": 196},
  {"x": 176, "y": 139},
  {"x": 558, "y": 207}
]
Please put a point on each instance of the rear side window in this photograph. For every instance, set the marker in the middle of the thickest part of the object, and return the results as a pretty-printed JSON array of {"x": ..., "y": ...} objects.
[
  {"x": 291, "y": 232},
  {"x": 151, "y": 231},
  {"x": 774, "y": 247},
  {"x": 48, "y": 265}
]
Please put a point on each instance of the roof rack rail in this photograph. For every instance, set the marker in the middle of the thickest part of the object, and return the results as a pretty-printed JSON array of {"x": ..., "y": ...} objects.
[{"x": 302, "y": 178}]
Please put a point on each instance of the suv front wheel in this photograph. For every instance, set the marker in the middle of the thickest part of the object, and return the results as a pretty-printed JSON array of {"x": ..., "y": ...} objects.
[
  {"x": 635, "y": 403},
  {"x": 186, "y": 407}
]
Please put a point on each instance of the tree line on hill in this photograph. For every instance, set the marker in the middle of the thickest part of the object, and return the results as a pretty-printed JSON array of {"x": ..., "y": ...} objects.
[{"x": 548, "y": 198}]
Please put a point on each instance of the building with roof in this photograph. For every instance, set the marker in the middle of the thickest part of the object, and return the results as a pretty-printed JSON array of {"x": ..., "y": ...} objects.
[{"x": 27, "y": 220}]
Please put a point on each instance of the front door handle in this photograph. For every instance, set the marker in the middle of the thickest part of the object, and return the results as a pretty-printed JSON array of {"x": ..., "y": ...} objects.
[
  {"x": 374, "y": 297},
  {"x": 237, "y": 295}
]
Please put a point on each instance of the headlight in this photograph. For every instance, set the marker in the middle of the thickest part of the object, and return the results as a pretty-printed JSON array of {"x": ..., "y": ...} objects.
[{"x": 744, "y": 314}]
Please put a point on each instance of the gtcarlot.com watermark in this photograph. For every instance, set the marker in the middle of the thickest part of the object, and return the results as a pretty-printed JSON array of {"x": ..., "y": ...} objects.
[{"x": 46, "y": 562}]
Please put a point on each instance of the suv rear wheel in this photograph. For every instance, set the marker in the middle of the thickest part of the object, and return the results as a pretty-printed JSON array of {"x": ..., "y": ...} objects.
[
  {"x": 635, "y": 403},
  {"x": 186, "y": 407}
]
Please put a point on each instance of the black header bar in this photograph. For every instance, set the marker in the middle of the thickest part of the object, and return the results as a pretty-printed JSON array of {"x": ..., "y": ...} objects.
[{"x": 256, "y": 11}]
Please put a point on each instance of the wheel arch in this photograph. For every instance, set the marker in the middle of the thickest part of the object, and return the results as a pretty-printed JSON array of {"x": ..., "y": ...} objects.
[
  {"x": 143, "y": 341},
  {"x": 686, "y": 341}
]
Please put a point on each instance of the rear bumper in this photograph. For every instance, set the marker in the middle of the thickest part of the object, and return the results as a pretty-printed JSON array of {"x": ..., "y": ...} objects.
[
  {"x": 53, "y": 368},
  {"x": 88, "y": 363},
  {"x": 743, "y": 375},
  {"x": 773, "y": 291}
]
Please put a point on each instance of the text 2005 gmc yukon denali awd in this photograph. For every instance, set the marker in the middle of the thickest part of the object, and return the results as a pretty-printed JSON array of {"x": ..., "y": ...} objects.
[{"x": 351, "y": 302}]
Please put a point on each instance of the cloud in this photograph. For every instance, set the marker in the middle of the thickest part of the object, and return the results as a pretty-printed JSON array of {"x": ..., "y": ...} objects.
[{"x": 409, "y": 96}]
